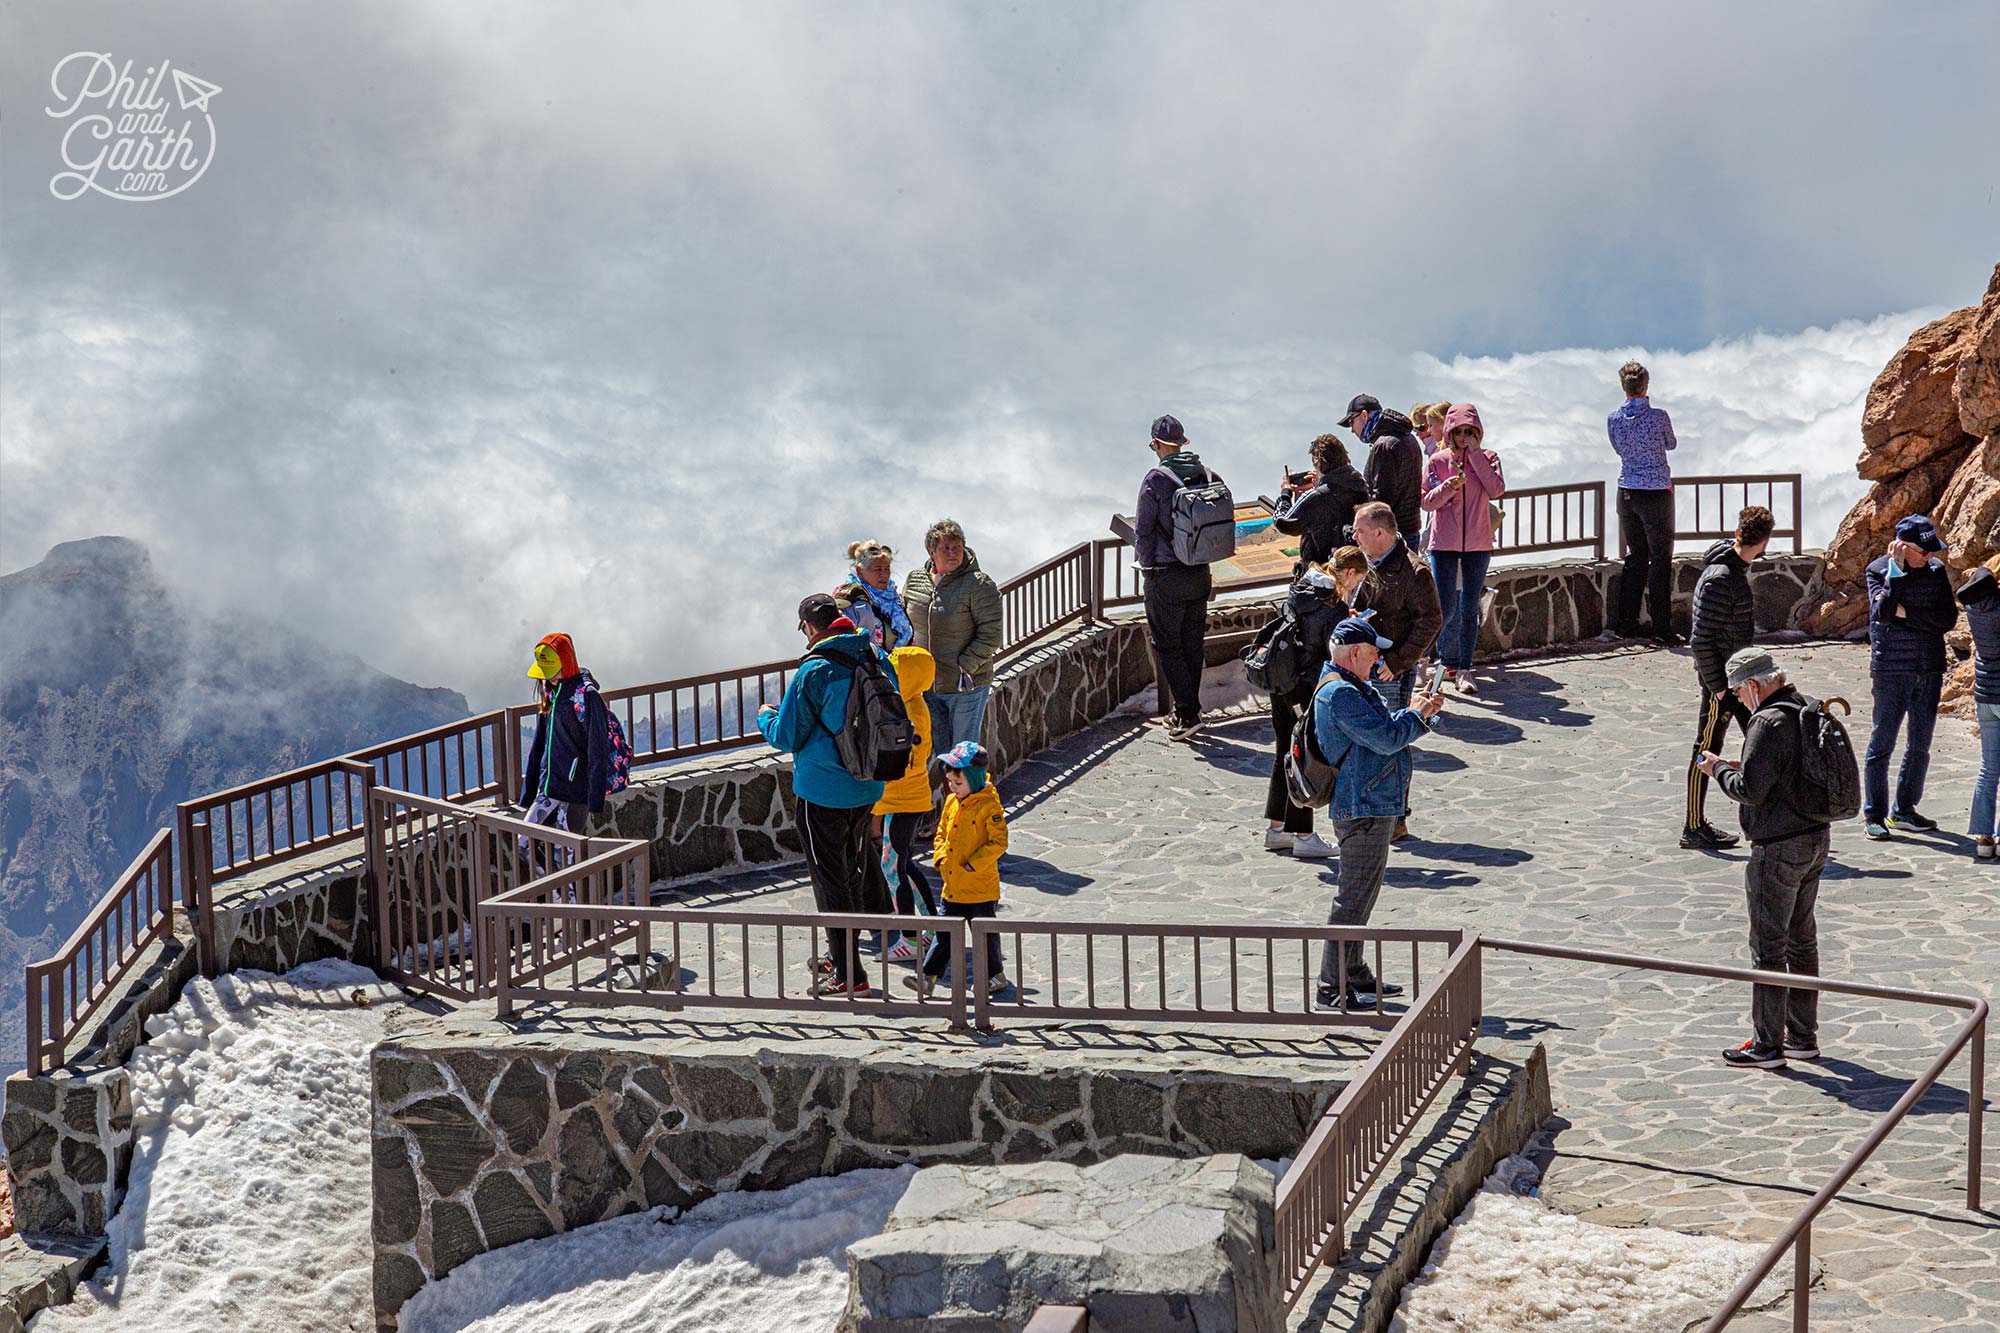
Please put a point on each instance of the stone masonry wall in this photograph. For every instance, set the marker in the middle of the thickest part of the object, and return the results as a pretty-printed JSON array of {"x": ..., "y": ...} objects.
[{"x": 484, "y": 1140}]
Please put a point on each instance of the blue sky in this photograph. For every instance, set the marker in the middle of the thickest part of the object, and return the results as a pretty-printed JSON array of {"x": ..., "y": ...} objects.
[{"x": 489, "y": 319}]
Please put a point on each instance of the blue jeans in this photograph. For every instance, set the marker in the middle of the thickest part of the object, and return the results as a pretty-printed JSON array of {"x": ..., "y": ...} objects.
[
  {"x": 1461, "y": 577},
  {"x": 1986, "y": 790},
  {"x": 1899, "y": 695},
  {"x": 956, "y": 717}
]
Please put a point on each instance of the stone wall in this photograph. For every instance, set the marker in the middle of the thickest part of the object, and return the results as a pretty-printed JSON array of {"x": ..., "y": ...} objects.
[
  {"x": 1543, "y": 606},
  {"x": 69, "y": 1148},
  {"x": 482, "y": 1138}
]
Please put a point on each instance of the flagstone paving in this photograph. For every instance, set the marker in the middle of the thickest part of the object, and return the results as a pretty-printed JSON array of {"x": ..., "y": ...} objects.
[{"x": 1548, "y": 809}]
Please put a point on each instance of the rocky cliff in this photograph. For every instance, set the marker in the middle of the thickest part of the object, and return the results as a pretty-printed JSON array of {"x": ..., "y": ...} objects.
[
  {"x": 118, "y": 699},
  {"x": 1930, "y": 437}
]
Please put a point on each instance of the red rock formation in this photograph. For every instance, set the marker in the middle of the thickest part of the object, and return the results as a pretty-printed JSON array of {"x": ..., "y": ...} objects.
[{"x": 1931, "y": 444}]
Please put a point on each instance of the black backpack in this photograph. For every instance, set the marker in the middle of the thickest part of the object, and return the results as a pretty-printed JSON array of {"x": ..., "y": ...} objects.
[
  {"x": 1276, "y": 658},
  {"x": 1309, "y": 778},
  {"x": 875, "y": 741},
  {"x": 1829, "y": 786}
]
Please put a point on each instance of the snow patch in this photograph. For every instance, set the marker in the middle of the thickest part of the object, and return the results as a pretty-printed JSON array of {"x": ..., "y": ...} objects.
[
  {"x": 1224, "y": 689},
  {"x": 249, "y": 1199},
  {"x": 1510, "y": 1263},
  {"x": 766, "y": 1261}
]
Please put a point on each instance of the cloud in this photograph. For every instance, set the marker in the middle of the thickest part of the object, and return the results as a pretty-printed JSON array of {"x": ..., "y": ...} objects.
[{"x": 487, "y": 320}]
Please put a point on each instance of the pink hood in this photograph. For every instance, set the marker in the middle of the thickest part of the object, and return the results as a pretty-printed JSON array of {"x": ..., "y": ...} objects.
[{"x": 1463, "y": 414}]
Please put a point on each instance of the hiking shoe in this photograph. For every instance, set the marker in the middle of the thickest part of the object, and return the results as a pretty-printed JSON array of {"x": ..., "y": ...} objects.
[
  {"x": 1312, "y": 847},
  {"x": 1402, "y": 831},
  {"x": 1801, "y": 1050},
  {"x": 1750, "y": 1056},
  {"x": 903, "y": 951},
  {"x": 1706, "y": 837},
  {"x": 1910, "y": 819},
  {"x": 1277, "y": 840},
  {"x": 1180, "y": 731},
  {"x": 922, "y": 984},
  {"x": 1876, "y": 832}
]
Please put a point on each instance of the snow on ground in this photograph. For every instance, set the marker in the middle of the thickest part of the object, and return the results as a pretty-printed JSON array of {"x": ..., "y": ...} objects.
[
  {"x": 1223, "y": 688},
  {"x": 762, "y": 1261},
  {"x": 249, "y": 1199},
  {"x": 1509, "y": 1263}
]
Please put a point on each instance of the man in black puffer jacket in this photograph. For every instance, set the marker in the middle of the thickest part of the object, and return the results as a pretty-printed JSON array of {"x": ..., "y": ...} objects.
[
  {"x": 1395, "y": 467},
  {"x": 1725, "y": 621},
  {"x": 1910, "y": 610}
]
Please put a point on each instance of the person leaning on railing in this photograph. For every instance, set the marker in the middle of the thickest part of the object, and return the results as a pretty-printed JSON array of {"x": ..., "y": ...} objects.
[{"x": 954, "y": 608}]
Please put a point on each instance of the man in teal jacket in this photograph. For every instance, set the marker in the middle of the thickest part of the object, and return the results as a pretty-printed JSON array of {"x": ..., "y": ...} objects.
[
  {"x": 1370, "y": 744},
  {"x": 833, "y": 804}
]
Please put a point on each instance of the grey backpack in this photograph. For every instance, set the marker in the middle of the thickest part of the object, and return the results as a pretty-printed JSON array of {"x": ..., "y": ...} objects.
[{"x": 1204, "y": 520}]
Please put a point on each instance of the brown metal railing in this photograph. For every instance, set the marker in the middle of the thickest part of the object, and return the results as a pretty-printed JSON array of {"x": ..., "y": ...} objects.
[
  {"x": 439, "y": 762},
  {"x": 1122, "y": 583},
  {"x": 1361, "y": 1132},
  {"x": 1552, "y": 518},
  {"x": 1163, "y": 978},
  {"x": 1714, "y": 515},
  {"x": 692, "y": 715},
  {"x": 431, "y": 863},
  {"x": 1052, "y": 594},
  {"x": 741, "y": 959},
  {"x": 1797, "y": 1235},
  {"x": 66, "y": 989}
]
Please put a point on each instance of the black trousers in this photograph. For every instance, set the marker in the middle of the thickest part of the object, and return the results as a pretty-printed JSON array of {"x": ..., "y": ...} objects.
[
  {"x": 1711, "y": 725},
  {"x": 1176, "y": 624},
  {"x": 1782, "y": 885},
  {"x": 1278, "y": 802},
  {"x": 1646, "y": 523},
  {"x": 837, "y": 852}
]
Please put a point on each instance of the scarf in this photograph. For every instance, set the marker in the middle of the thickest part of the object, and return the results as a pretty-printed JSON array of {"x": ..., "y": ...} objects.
[{"x": 888, "y": 604}]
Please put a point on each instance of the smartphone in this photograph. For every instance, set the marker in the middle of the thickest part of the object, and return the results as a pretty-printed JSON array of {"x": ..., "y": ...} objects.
[
  {"x": 1296, "y": 478},
  {"x": 1437, "y": 679}
]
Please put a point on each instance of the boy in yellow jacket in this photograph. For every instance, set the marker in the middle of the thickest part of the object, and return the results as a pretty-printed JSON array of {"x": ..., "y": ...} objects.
[
  {"x": 907, "y": 800},
  {"x": 971, "y": 835}
]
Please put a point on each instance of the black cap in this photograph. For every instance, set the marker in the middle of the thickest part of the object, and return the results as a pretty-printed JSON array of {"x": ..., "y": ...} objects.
[
  {"x": 1168, "y": 431},
  {"x": 1919, "y": 532},
  {"x": 818, "y": 611},
  {"x": 1362, "y": 402}
]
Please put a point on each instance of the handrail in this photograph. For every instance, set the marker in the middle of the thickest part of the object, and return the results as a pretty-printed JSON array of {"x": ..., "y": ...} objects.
[
  {"x": 1725, "y": 521},
  {"x": 1046, "y": 597},
  {"x": 1551, "y": 525},
  {"x": 66, "y": 988},
  {"x": 1799, "y": 1231}
]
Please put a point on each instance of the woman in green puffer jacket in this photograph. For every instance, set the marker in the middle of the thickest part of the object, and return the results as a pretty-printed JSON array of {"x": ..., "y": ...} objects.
[{"x": 954, "y": 607}]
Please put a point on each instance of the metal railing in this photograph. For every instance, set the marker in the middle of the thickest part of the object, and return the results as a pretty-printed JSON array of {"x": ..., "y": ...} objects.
[
  {"x": 1362, "y": 1131},
  {"x": 1120, "y": 582},
  {"x": 692, "y": 715},
  {"x": 1164, "y": 979},
  {"x": 1709, "y": 499},
  {"x": 64, "y": 989},
  {"x": 1552, "y": 518},
  {"x": 430, "y": 864},
  {"x": 1797, "y": 1235},
  {"x": 1055, "y": 593}
]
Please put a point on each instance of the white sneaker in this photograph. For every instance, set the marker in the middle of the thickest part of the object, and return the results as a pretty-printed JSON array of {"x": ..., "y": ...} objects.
[
  {"x": 1312, "y": 847},
  {"x": 1463, "y": 679},
  {"x": 1277, "y": 840},
  {"x": 903, "y": 951}
]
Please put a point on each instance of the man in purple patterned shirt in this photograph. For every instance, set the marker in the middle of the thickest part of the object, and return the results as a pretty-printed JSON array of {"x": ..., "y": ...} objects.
[{"x": 1642, "y": 435}]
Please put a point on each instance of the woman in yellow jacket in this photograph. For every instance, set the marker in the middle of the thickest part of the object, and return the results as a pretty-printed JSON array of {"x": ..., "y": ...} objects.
[
  {"x": 971, "y": 835},
  {"x": 907, "y": 800}
]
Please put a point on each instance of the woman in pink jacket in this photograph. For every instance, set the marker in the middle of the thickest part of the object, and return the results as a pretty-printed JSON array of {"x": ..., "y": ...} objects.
[{"x": 1460, "y": 483}]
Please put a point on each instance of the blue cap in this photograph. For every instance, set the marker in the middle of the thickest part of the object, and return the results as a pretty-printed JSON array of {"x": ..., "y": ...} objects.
[
  {"x": 1168, "y": 431},
  {"x": 1919, "y": 532},
  {"x": 1354, "y": 630}
]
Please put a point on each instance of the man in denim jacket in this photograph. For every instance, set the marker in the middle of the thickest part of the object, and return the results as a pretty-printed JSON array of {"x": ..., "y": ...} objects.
[{"x": 1370, "y": 744}]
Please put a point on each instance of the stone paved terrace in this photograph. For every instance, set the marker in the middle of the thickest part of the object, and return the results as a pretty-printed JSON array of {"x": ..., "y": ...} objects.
[{"x": 1548, "y": 809}]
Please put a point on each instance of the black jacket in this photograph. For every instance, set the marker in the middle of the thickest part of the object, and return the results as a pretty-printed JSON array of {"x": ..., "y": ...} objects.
[
  {"x": 1725, "y": 614},
  {"x": 1763, "y": 785},
  {"x": 1315, "y": 612},
  {"x": 1980, "y": 596},
  {"x": 1404, "y": 598},
  {"x": 1323, "y": 517},
  {"x": 1395, "y": 470},
  {"x": 577, "y": 749},
  {"x": 1153, "y": 524},
  {"x": 1913, "y": 641}
]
